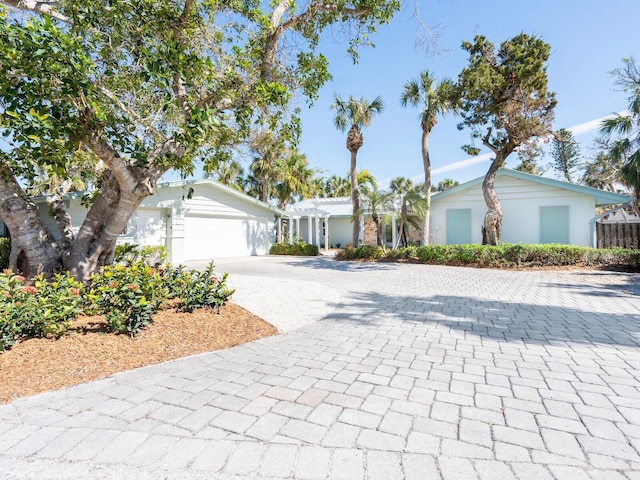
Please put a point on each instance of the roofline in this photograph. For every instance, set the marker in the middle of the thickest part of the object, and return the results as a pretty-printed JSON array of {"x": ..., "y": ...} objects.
[
  {"x": 182, "y": 183},
  {"x": 225, "y": 188},
  {"x": 602, "y": 197}
]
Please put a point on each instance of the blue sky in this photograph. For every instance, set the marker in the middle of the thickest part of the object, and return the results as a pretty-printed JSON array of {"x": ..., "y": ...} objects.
[{"x": 588, "y": 39}]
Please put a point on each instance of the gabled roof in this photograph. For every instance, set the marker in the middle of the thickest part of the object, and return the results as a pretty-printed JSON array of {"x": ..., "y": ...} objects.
[
  {"x": 224, "y": 188},
  {"x": 190, "y": 183},
  {"x": 601, "y": 197}
]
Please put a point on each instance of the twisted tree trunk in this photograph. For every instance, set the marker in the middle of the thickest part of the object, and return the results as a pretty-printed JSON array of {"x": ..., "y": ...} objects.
[{"x": 492, "y": 227}]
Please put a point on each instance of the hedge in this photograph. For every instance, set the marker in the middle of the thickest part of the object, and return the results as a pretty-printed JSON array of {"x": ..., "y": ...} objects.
[
  {"x": 294, "y": 249},
  {"x": 500, "y": 256}
]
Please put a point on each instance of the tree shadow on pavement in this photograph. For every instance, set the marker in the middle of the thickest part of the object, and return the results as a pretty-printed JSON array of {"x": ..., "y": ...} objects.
[
  {"x": 329, "y": 263},
  {"x": 625, "y": 284},
  {"x": 500, "y": 321}
]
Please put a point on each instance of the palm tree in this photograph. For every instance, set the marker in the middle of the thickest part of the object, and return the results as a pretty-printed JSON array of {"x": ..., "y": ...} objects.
[
  {"x": 355, "y": 114},
  {"x": 229, "y": 173},
  {"x": 434, "y": 99},
  {"x": 269, "y": 150},
  {"x": 413, "y": 206},
  {"x": 366, "y": 180},
  {"x": 377, "y": 202},
  {"x": 445, "y": 184},
  {"x": 337, "y": 186},
  {"x": 293, "y": 178},
  {"x": 626, "y": 128},
  {"x": 317, "y": 188}
]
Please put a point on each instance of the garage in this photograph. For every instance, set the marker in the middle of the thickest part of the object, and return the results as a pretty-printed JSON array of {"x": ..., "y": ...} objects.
[{"x": 211, "y": 237}]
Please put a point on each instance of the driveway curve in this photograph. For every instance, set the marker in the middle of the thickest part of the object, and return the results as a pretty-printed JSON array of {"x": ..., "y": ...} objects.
[{"x": 383, "y": 370}]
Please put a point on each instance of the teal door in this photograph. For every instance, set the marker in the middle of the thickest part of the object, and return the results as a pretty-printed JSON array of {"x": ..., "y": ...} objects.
[
  {"x": 458, "y": 225},
  {"x": 554, "y": 224}
]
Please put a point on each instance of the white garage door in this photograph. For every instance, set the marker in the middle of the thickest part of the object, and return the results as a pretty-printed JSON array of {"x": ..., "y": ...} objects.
[{"x": 215, "y": 237}]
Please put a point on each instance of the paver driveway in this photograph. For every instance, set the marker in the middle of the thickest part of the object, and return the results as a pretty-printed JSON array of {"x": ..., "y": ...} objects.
[{"x": 396, "y": 371}]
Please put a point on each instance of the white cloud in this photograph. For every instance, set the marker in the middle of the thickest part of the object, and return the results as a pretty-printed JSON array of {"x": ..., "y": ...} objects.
[
  {"x": 579, "y": 129},
  {"x": 469, "y": 162},
  {"x": 592, "y": 125},
  {"x": 452, "y": 167}
]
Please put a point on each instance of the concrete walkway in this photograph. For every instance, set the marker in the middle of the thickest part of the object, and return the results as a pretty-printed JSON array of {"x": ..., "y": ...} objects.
[{"x": 383, "y": 371}]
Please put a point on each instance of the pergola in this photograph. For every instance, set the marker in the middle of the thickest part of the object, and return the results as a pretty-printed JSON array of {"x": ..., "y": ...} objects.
[{"x": 295, "y": 214}]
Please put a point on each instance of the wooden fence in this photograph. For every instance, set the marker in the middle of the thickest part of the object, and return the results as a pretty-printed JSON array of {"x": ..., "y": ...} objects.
[{"x": 625, "y": 235}]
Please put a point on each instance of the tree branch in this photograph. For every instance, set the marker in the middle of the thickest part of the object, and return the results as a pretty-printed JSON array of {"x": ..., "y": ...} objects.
[
  {"x": 278, "y": 28},
  {"x": 112, "y": 159},
  {"x": 188, "y": 7},
  {"x": 181, "y": 95},
  {"x": 133, "y": 115},
  {"x": 46, "y": 7},
  {"x": 487, "y": 143}
]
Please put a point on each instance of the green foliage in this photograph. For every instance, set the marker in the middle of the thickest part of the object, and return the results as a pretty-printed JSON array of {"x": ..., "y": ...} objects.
[
  {"x": 502, "y": 94},
  {"x": 41, "y": 62},
  {"x": 128, "y": 295},
  {"x": 354, "y": 112},
  {"x": 623, "y": 130},
  {"x": 565, "y": 153},
  {"x": 197, "y": 289},
  {"x": 45, "y": 308},
  {"x": 297, "y": 248},
  {"x": 363, "y": 252},
  {"x": 5, "y": 251},
  {"x": 128, "y": 253},
  {"x": 501, "y": 256}
]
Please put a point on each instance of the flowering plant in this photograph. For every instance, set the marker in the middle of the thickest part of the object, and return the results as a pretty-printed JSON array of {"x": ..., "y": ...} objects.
[
  {"x": 198, "y": 289},
  {"x": 128, "y": 295},
  {"x": 43, "y": 308}
]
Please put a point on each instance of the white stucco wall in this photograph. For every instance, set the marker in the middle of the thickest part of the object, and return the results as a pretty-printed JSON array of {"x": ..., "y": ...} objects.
[{"x": 521, "y": 202}]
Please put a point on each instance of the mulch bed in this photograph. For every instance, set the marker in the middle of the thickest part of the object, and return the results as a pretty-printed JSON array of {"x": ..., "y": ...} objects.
[{"x": 87, "y": 352}]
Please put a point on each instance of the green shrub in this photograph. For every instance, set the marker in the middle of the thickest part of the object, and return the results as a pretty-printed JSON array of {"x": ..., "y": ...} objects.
[
  {"x": 370, "y": 251},
  {"x": 5, "y": 250},
  {"x": 298, "y": 248},
  {"x": 128, "y": 295},
  {"x": 363, "y": 252},
  {"x": 45, "y": 308},
  {"x": 197, "y": 289},
  {"x": 503, "y": 255}
]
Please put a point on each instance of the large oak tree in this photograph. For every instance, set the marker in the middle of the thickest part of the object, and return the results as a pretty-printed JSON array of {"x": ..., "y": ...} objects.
[
  {"x": 126, "y": 91},
  {"x": 505, "y": 101}
]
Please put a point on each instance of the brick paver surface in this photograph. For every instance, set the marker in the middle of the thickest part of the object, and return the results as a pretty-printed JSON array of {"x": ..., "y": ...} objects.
[{"x": 384, "y": 371}]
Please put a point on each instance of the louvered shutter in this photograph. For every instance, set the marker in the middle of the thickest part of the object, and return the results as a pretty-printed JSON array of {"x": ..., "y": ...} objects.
[
  {"x": 458, "y": 225},
  {"x": 554, "y": 224}
]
